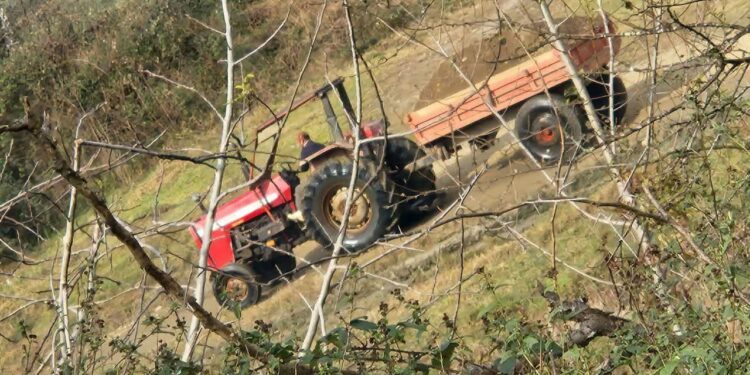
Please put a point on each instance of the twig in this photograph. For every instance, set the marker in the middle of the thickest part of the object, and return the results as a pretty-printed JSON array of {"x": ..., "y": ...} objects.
[
  {"x": 189, "y": 88},
  {"x": 265, "y": 42}
]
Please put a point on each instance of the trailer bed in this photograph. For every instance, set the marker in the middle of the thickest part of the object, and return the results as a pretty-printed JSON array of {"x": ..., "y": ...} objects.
[{"x": 511, "y": 86}]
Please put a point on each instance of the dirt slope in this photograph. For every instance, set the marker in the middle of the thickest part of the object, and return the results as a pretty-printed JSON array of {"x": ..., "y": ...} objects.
[{"x": 501, "y": 49}]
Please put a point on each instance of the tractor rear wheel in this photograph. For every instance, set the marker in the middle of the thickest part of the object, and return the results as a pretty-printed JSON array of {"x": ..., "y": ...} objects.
[
  {"x": 324, "y": 201},
  {"x": 236, "y": 285},
  {"x": 401, "y": 152},
  {"x": 538, "y": 125}
]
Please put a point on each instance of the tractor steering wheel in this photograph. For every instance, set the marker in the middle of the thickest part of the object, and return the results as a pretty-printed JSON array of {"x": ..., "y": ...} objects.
[{"x": 293, "y": 167}]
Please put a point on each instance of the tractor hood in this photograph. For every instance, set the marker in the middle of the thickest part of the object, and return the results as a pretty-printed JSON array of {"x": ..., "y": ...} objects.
[{"x": 248, "y": 205}]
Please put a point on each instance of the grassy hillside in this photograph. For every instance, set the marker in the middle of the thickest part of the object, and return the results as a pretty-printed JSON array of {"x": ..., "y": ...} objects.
[{"x": 502, "y": 317}]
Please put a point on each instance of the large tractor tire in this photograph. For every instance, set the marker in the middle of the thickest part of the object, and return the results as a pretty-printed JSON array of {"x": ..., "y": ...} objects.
[
  {"x": 599, "y": 91},
  {"x": 236, "y": 285},
  {"x": 538, "y": 125},
  {"x": 401, "y": 152},
  {"x": 324, "y": 201}
]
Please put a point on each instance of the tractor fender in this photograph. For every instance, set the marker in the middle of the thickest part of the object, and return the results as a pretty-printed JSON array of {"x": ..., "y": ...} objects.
[
  {"x": 330, "y": 152},
  {"x": 238, "y": 269}
]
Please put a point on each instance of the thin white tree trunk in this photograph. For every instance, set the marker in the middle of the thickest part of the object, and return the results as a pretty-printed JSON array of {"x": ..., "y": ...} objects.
[
  {"x": 316, "y": 315},
  {"x": 639, "y": 230},
  {"x": 611, "y": 75},
  {"x": 83, "y": 312},
  {"x": 62, "y": 295},
  {"x": 591, "y": 115},
  {"x": 64, "y": 324},
  {"x": 200, "y": 282}
]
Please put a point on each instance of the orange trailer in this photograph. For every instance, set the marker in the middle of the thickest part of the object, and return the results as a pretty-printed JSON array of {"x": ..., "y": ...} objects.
[{"x": 438, "y": 123}]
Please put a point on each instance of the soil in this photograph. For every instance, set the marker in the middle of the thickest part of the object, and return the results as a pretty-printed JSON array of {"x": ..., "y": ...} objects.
[{"x": 483, "y": 58}]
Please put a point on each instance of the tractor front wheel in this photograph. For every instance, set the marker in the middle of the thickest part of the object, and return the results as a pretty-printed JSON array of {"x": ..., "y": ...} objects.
[
  {"x": 324, "y": 202},
  {"x": 236, "y": 286}
]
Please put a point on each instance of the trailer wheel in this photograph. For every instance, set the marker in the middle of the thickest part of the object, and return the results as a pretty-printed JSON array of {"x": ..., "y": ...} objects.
[
  {"x": 399, "y": 153},
  {"x": 236, "y": 286},
  {"x": 538, "y": 125},
  {"x": 324, "y": 201},
  {"x": 599, "y": 92}
]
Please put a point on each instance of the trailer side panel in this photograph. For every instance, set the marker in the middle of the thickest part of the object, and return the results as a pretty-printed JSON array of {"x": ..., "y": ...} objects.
[{"x": 503, "y": 90}]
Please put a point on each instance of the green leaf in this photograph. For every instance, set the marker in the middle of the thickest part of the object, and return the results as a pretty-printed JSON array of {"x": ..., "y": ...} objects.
[
  {"x": 506, "y": 364},
  {"x": 307, "y": 358},
  {"x": 669, "y": 368},
  {"x": 418, "y": 327},
  {"x": 237, "y": 310},
  {"x": 554, "y": 349},
  {"x": 337, "y": 337},
  {"x": 442, "y": 358},
  {"x": 531, "y": 343},
  {"x": 363, "y": 325}
]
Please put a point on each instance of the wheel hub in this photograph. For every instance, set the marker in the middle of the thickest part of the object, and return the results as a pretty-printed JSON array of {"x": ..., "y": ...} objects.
[
  {"x": 237, "y": 289},
  {"x": 359, "y": 213},
  {"x": 546, "y": 130}
]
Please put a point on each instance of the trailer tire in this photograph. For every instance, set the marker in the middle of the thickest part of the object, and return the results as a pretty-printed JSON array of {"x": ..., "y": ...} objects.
[
  {"x": 401, "y": 152},
  {"x": 325, "y": 196},
  {"x": 243, "y": 282},
  {"x": 599, "y": 92},
  {"x": 537, "y": 127}
]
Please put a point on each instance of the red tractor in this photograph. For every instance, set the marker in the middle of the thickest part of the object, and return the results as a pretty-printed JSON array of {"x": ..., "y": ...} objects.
[{"x": 254, "y": 234}]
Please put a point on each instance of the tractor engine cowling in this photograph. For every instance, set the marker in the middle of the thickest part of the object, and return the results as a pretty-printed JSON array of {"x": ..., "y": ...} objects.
[{"x": 265, "y": 203}]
